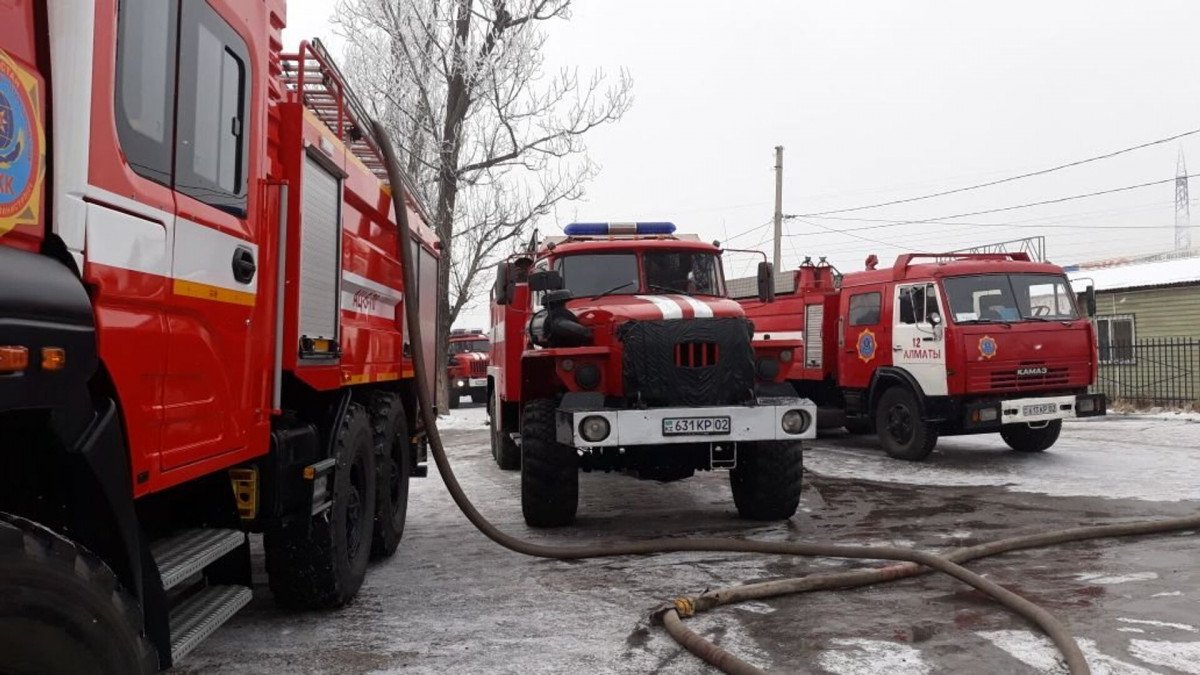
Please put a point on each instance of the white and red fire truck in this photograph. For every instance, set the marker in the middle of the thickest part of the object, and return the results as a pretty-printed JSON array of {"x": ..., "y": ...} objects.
[
  {"x": 466, "y": 368},
  {"x": 200, "y": 329},
  {"x": 616, "y": 347},
  {"x": 940, "y": 344}
]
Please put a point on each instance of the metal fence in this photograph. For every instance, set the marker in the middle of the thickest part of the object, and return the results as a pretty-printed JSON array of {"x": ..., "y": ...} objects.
[{"x": 1156, "y": 371}]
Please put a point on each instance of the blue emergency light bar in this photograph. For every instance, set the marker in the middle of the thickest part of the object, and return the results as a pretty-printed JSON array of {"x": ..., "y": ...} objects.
[{"x": 593, "y": 229}]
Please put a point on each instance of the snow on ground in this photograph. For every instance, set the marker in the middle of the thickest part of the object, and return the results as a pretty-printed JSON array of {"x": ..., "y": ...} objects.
[
  {"x": 1124, "y": 456},
  {"x": 469, "y": 419}
]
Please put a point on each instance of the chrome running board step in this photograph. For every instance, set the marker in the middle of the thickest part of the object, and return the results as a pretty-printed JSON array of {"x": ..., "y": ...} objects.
[
  {"x": 202, "y": 614},
  {"x": 188, "y": 552}
]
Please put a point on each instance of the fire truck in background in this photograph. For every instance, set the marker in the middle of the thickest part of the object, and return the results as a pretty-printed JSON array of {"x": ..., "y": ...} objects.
[
  {"x": 939, "y": 344},
  {"x": 616, "y": 348},
  {"x": 200, "y": 329},
  {"x": 466, "y": 369}
]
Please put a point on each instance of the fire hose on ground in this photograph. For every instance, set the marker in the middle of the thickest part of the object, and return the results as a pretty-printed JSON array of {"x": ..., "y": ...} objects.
[{"x": 911, "y": 562}]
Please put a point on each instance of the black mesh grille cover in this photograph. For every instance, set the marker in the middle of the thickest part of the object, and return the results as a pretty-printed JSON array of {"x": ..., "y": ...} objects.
[{"x": 652, "y": 369}]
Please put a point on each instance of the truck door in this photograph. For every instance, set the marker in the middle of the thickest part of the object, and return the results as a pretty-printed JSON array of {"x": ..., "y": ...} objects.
[
  {"x": 918, "y": 337},
  {"x": 862, "y": 333},
  {"x": 216, "y": 364}
]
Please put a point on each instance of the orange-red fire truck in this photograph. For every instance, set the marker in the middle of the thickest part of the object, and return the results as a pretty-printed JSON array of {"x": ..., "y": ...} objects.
[
  {"x": 200, "y": 329},
  {"x": 466, "y": 369},
  {"x": 940, "y": 344},
  {"x": 616, "y": 348}
]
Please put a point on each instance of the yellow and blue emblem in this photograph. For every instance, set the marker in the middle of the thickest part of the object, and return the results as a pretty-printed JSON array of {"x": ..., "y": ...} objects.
[
  {"x": 22, "y": 146},
  {"x": 987, "y": 346},
  {"x": 867, "y": 345}
]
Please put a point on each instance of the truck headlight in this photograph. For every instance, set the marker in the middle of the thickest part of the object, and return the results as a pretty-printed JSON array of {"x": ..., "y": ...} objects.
[
  {"x": 796, "y": 421},
  {"x": 594, "y": 428},
  {"x": 462, "y": 383}
]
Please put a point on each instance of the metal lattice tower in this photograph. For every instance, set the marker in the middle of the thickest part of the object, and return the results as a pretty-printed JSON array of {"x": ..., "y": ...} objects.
[{"x": 1183, "y": 216}]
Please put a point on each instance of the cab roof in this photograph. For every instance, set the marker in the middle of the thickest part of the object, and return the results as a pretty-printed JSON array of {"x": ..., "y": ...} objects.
[
  {"x": 557, "y": 246},
  {"x": 950, "y": 265}
]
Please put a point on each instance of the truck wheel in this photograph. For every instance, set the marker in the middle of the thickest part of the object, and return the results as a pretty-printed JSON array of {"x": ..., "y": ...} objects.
[
  {"x": 766, "y": 481},
  {"x": 1024, "y": 438},
  {"x": 323, "y": 566},
  {"x": 549, "y": 469},
  {"x": 393, "y": 465},
  {"x": 453, "y": 400},
  {"x": 902, "y": 432},
  {"x": 504, "y": 449},
  {"x": 62, "y": 609}
]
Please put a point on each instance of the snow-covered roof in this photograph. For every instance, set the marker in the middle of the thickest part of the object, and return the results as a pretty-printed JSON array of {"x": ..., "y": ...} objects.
[{"x": 1138, "y": 275}]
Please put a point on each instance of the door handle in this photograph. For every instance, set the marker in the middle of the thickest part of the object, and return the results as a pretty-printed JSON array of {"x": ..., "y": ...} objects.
[
  {"x": 243, "y": 265},
  {"x": 897, "y": 348}
]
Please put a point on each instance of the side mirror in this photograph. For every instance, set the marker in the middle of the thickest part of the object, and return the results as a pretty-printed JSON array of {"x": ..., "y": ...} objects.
[
  {"x": 935, "y": 318},
  {"x": 766, "y": 282},
  {"x": 1089, "y": 300},
  {"x": 500, "y": 289},
  {"x": 545, "y": 280}
]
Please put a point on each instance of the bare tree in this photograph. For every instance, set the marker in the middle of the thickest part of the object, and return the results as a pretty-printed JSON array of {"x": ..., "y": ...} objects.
[{"x": 491, "y": 139}]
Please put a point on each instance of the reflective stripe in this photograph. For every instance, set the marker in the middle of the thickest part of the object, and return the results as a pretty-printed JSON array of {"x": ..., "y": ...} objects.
[
  {"x": 701, "y": 309},
  {"x": 669, "y": 308},
  {"x": 780, "y": 335}
]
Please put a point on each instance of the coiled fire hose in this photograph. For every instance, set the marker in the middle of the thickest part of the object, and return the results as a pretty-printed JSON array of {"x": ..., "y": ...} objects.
[{"x": 913, "y": 562}]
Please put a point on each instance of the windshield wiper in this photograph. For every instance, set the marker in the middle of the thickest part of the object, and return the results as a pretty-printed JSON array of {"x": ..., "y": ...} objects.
[
  {"x": 667, "y": 289},
  {"x": 1006, "y": 324},
  {"x": 612, "y": 290}
]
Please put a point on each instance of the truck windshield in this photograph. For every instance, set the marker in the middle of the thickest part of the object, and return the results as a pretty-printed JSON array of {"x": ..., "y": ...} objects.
[
  {"x": 1009, "y": 297},
  {"x": 588, "y": 274},
  {"x": 683, "y": 272},
  {"x": 466, "y": 346}
]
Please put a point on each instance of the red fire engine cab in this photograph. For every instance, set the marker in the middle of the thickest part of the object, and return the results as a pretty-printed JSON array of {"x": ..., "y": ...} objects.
[
  {"x": 200, "y": 329},
  {"x": 616, "y": 347},
  {"x": 466, "y": 369},
  {"x": 940, "y": 344}
]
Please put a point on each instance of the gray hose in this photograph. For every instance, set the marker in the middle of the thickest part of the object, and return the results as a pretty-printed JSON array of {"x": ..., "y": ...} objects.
[{"x": 670, "y": 615}]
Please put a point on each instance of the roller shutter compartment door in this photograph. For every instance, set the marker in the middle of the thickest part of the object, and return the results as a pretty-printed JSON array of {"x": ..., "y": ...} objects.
[{"x": 320, "y": 249}]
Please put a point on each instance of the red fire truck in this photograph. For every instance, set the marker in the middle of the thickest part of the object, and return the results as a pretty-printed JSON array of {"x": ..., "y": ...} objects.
[
  {"x": 466, "y": 369},
  {"x": 940, "y": 344},
  {"x": 200, "y": 329},
  {"x": 616, "y": 348}
]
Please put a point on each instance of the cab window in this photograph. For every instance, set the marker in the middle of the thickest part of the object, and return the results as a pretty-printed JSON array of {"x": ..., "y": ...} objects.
[
  {"x": 918, "y": 303},
  {"x": 588, "y": 274},
  {"x": 864, "y": 309},
  {"x": 145, "y": 85}
]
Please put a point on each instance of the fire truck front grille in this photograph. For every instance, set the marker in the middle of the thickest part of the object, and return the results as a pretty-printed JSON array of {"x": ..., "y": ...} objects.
[
  {"x": 688, "y": 361},
  {"x": 1029, "y": 376},
  {"x": 478, "y": 368}
]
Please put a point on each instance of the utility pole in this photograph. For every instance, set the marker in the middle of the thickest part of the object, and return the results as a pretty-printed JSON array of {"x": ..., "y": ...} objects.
[
  {"x": 778, "y": 204},
  {"x": 1183, "y": 215}
]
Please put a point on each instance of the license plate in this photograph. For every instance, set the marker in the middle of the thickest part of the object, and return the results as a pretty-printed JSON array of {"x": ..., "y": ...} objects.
[
  {"x": 1039, "y": 409},
  {"x": 478, "y": 381},
  {"x": 680, "y": 426}
]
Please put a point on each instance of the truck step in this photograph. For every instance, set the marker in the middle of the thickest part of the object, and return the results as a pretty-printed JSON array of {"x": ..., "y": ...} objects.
[
  {"x": 189, "y": 551},
  {"x": 202, "y": 614}
]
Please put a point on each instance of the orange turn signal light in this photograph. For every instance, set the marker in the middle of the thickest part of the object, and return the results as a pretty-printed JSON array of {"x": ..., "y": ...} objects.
[
  {"x": 13, "y": 359},
  {"x": 54, "y": 358}
]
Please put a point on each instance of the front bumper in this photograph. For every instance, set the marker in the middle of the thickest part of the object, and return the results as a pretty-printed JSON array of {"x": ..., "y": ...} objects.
[
  {"x": 993, "y": 414},
  {"x": 468, "y": 383},
  {"x": 760, "y": 422}
]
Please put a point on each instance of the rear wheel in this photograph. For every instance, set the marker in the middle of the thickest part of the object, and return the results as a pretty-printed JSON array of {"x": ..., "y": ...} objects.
[
  {"x": 766, "y": 481},
  {"x": 549, "y": 469},
  {"x": 323, "y": 566},
  {"x": 902, "y": 432},
  {"x": 504, "y": 449},
  {"x": 62, "y": 610},
  {"x": 1025, "y": 438},
  {"x": 393, "y": 465}
]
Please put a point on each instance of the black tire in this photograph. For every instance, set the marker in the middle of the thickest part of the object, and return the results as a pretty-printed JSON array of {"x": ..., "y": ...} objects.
[
  {"x": 326, "y": 568},
  {"x": 766, "y": 480},
  {"x": 549, "y": 470},
  {"x": 454, "y": 400},
  {"x": 62, "y": 609},
  {"x": 1024, "y": 438},
  {"x": 505, "y": 450},
  {"x": 860, "y": 427},
  {"x": 902, "y": 432},
  {"x": 393, "y": 467},
  {"x": 478, "y": 397}
]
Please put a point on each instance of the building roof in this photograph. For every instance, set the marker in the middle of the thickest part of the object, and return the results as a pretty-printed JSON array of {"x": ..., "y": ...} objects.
[{"x": 1139, "y": 274}]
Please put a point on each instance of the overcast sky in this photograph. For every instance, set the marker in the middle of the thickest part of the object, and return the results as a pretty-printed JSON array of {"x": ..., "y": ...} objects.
[{"x": 876, "y": 100}]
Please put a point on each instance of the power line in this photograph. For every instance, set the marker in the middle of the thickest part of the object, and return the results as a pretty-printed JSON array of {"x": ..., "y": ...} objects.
[
  {"x": 1010, "y": 179},
  {"x": 938, "y": 220}
]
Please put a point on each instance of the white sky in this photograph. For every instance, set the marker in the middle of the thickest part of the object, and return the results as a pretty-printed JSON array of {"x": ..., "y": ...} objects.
[{"x": 876, "y": 100}]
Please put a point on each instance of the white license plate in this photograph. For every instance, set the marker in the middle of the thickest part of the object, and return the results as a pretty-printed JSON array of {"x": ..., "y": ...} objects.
[
  {"x": 680, "y": 426},
  {"x": 478, "y": 381},
  {"x": 1039, "y": 409}
]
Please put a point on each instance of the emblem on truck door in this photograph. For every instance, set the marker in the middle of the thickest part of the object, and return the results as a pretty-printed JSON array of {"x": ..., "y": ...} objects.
[
  {"x": 987, "y": 347},
  {"x": 866, "y": 345},
  {"x": 22, "y": 151}
]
